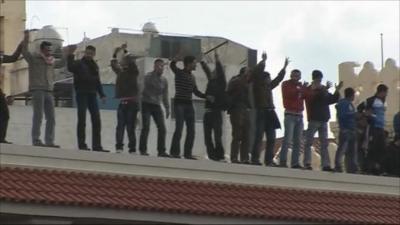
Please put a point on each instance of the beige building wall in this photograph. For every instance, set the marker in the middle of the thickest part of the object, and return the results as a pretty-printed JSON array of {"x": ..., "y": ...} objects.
[{"x": 12, "y": 25}]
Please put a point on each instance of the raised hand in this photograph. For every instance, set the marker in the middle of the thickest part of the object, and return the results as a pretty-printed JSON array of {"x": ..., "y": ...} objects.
[
  {"x": 339, "y": 86},
  {"x": 328, "y": 85},
  {"x": 264, "y": 56},
  {"x": 305, "y": 84},
  {"x": 287, "y": 61}
]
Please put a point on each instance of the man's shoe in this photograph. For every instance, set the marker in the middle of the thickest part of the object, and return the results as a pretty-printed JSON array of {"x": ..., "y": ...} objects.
[
  {"x": 190, "y": 157},
  {"x": 275, "y": 165},
  {"x": 245, "y": 162},
  {"x": 119, "y": 150},
  {"x": 5, "y": 142},
  {"x": 297, "y": 167},
  {"x": 175, "y": 156},
  {"x": 338, "y": 170},
  {"x": 163, "y": 155},
  {"x": 235, "y": 161},
  {"x": 327, "y": 169},
  {"x": 52, "y": 146},
  {"x": 308, "y": 167},
  {"x": 144, "y": 153},
  {"x": 256, "y": 163},
  {"x": 100, "y": 150},
  {"x": 132, "y": 151},
  {"x": 84, "y": 149},
  {"x": 39, "y": 144}
]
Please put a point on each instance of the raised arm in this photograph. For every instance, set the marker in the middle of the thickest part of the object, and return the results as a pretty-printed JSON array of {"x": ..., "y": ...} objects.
[
  {"x": 220, "y": 72},
  {"x": 14, "y": 57},
  {"x": 115, "y": 66},
  {"x": 281, "y": 75},
  {"x": 206, "y": 69},
  {"x": 165, "y": 99},
  {"x": 173, "y": 67},
  {"x": 25, "y": 52}
]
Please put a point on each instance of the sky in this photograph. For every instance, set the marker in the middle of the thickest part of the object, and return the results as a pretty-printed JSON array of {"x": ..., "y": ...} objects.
[{"x": 313, "y": 34}]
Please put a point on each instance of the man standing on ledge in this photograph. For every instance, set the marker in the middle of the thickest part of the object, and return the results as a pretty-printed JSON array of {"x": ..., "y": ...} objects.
[
  {"x": 185, "y": 86},
  {"x": 87, "y": 84},
  {"x": 41, "y": 85}
]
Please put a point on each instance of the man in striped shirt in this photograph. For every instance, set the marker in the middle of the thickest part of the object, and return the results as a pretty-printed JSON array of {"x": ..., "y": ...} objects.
[{"x": 185, "y": 85}]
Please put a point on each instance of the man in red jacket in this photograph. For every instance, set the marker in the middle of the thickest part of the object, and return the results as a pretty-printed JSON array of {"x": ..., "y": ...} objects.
[{"x": 293, "y": 101}]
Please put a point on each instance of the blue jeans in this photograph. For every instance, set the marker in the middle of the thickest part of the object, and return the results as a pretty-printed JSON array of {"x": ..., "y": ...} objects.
[
  {"x": 184, "y": 113},
  {"x": 322, "y": 128},
  {"x": 126, "y": 116},
  {"x": 347, "y": 147},
  {"x": 88, "y": 101},
  {"x": 266, "y": 121},
  {"x": 293, "y": 134},
  {"x": 43, "y": 101},
  {"x": 155, "y": 111}
]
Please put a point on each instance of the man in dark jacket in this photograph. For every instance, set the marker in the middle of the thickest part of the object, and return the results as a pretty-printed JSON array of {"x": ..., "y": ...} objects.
[
  {"x": 126, "y": 90},
  {"x": 87, "y": 84},
  {"x": 318, "y": 100},
  {"x": 185, "y": 86},
  {"x": 215, "y": 105},
  {"x": 266, "y": 119},
  {"x": 4, "y": 112},
  {"x": 374, "y": 108},
  {"x": 239, "y": 110}
]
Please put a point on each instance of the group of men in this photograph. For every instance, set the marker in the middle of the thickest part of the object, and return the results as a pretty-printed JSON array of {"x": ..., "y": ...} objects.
[{"x": 220, "y": 96}]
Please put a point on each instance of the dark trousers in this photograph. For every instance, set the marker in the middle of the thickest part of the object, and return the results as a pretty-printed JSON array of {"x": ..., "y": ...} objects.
[
  {"x": 126, "y": 119},
  {"x": 266, "y": 122},
  {"x": 240, "y": 120},
  {"x": 4, "y": 118},
  {"x": 376, "y": 150},
  {"x": 213, "y": 123},
  {"x": 184, "y": 113},
  {"x": 155, "y": 111},
  {"x": 88, "y": 101}
]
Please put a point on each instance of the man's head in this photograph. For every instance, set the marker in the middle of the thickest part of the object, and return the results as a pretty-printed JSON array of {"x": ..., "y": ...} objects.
[
  {"x": 90, "y": 52},
  {"x": 317, "y": 76},
  {"x": 158, "y": 66},
  {"x": 382, "y": 91},
  {"x": 189, "y": 62},
  {"x": 45, "y": 48},
  {"x": 295, "y": 75},
  {"x": 349, "y": 93}
]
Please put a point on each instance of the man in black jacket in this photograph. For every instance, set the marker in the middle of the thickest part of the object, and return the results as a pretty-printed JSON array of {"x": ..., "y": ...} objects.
[
  {"x": 87, "y": 84},
  {"x": 318, "y": 100},
  {"x": 4, "y": 112},
  {"x": 215, "y": 105},
  {"x": 126, "y": 90}
]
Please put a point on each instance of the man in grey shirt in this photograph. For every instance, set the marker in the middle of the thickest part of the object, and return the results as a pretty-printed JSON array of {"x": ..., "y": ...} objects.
[
  {"x": 41, "y": 85},
  {"x": 155, "y": 91}
]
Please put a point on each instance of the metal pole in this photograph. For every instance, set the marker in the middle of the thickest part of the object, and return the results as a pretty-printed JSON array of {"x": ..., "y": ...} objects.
[{"x": 381, "y": 50}]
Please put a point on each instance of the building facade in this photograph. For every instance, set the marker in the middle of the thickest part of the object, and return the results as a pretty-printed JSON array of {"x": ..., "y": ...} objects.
[{"x": 12, "y": 25}]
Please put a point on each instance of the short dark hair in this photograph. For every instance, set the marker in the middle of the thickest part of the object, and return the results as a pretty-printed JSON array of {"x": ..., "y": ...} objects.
[
  {"x": 349, "y": 92},
  {"x": 296, "y": 71},
  {"x": 90, "y": 47},
  {"x": 316, "y": 74},
  {"x": 188, "y": 59},
  {"x": 45, "y": 44},
  {"x": 381, "y": 88},
  {"x": 242, "y": 70},
  {"x": 158, "y": 61}
]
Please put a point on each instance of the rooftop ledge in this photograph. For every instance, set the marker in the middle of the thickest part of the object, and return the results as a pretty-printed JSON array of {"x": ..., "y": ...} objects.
[{"x": 195, "y": 170}]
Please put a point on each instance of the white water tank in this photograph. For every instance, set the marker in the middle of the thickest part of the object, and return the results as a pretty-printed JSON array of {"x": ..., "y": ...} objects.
[
  {"x": 47, "y": 33},
  {"x": 149, "y": 27}
]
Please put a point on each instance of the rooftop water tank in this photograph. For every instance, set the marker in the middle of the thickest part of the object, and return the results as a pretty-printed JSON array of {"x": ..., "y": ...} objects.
[{"x": 149, "y": 27}]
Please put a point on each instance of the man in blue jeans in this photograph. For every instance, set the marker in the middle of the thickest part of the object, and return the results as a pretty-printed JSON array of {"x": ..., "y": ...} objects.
[
  {"x": 87, "y": 84},
  {"x": 346, "y": 114},
  {"x": 318, "y": 100},
  {"x": 293, "y": 101},
  {"x": 185, "y": 86},
  {"x": 126, "y": 90},
  {"x": 155, "y": 91}
]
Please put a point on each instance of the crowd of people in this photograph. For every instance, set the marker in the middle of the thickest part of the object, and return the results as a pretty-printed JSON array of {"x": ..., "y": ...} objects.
[{"x": 363, "y": 144}]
